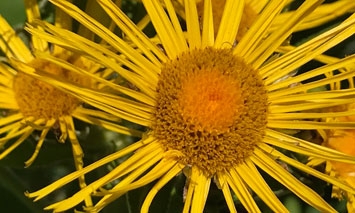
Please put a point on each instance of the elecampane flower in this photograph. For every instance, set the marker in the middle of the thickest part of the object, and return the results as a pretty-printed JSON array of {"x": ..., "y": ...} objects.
[
  {"x": 212, "y": 110},
  {"x": 342, "y": 140},
  {"x": 29, "y": 105}
]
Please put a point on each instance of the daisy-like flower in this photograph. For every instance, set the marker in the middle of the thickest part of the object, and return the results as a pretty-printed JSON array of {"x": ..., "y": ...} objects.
[
  {"x": 212, "y": 110},
  {"x": 30, "y": 105},
  {"x": 342, "y": 140}
]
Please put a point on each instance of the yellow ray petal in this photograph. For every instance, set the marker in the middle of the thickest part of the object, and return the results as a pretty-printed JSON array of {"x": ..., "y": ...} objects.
[
  {"x": 33, "y": 13},
  {"x": 145, "y": 66},
  {"x": 6, "y": 71},
  {"x": 173, "y": 45},
  {"x": 200, "y": 193},
  {"x": 307, "y": 169},
  {"x": 188, "y": 196},
  {"x": 152, "y": 174},
  {"x": 250, "y": 41},
  {"x": 134, "y": 32},
  {"x": 63, "y": 129},
  {"x": 162, "y": 182},
  {"x": 148, "y": 142},
  {"x": 25, "y": 133},
  {"x": 276, "y": 38},
  {"x": 223, "y": 185},
  {"x": 293, "y": 116},
  {"x": 77, "y": 154},
  {"x": 241, "y": 190},
  {"x": 228, "y": 28},
  {"x": 297, "y": 124},
  {"x": 192, "y": 24},
  {"x": 87, "y": 96},
  {"x": 126, "y": 184},
  {"x": 207, "y": 25},
  {"x": 4, "y": 121},
  {"x": 335, "y": 65},
  {"x": 11, "y": 44},
  {"x": 314, "y": 97},
  {"x": 257, "y": 5},
  {"x": 49, "y": 124},
  {"x": 74, "y": 200},
  {"x": 304, "y": 147},
  {"x": 14, "y": 131},
  {"x": 99, "y": 54},
  {"x": 310, "y": 49},
  {"x": 312, "y": 85},
  {"x": 321, "y": 15},
  {"x": 91, "y": 118},
  {"x": 69, "y": 66},
  {"x": 251, "y": 176},
  {"x": 276, "y": 171},
  {"x": 310, "y": 105}
]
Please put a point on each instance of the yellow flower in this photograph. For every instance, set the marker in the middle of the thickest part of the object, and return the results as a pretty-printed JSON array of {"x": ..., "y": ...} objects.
[
  {"x": 30, "y": 105},
  {"x": 342, "y": 140},
  {"x": 212, "y": 110}
]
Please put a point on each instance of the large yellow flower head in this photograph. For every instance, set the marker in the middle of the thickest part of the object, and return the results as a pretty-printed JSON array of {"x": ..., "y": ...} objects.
[
  {"x": 212, "y": 109},
  {"x": 30, "y": 105}
]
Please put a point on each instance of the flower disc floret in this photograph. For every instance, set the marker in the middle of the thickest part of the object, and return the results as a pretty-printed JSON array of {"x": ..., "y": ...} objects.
[
  {"x": 40, "y": 100},
  {"x": 212, "y": 107}
]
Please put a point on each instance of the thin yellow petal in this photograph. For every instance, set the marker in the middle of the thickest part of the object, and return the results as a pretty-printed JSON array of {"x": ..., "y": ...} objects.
[
  {"x": 145, "y": 66},
  {"x": 162, "y": 182},
  {"x": 49, "y": 124},
  {"x": 251, "y": 176},
  {"x": 207, "y": 25},
  {"x": 309, "y": 105},
  {"x": 134, "y": 94},
  {"x": 74, "y": 175},
  {"x": 134, "y": 32},
  {"x": 292, "y": 116},
  {"x": 307, "y": 169},
  {"x": 310, "y": 49},
  {"x": 228, "y": 28},
  {"x": 202, "y": 185},
  {"x": 241, "y": 190},
  {"x": 173, "y": 45},
  {"x": 223, "y": 185},
  {"x": 334, "y": 65},
  {"x": 33, "y": 13},
  {"x": 321, "y": 15},
  {"x": 297, "y": 124},
  {"x": 270, "y": 44},
  {"x": 304, "y": 147},
  {"x": 276, "y": 171},
  {"x": 11, "y": 44},
  {"x": 140, "y": 168},
  {"x": 312, "y": 85},
  {"x": 250, "y": 41},
  {"x": 10, "y": 119},
  {"x": 314, "y": 97},
  {"x": 84, "y": 115},
  {"x": 193, "y": 25}
]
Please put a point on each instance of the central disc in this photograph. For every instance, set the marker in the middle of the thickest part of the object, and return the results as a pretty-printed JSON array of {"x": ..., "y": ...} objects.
[
  {"x": 210, "y": 101},
  {"x": 211, "y": 107}
]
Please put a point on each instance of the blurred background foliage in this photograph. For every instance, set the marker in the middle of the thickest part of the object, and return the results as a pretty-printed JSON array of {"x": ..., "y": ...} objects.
[{"x": 55, "y": 159}]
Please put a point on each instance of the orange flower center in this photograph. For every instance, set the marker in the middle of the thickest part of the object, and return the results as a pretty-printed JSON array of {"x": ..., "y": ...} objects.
[
  {"x": 211, "y": 107},
  {"x": 210, "y": 100}
]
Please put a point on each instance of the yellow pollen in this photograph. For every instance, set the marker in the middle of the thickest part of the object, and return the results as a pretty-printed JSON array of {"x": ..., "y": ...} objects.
[
  {"x": 248, "y": 17},
  {"x": 38, "y": 99},
  {"x": 212, "y": 107},
  {"x": 210, "y": 100}
]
